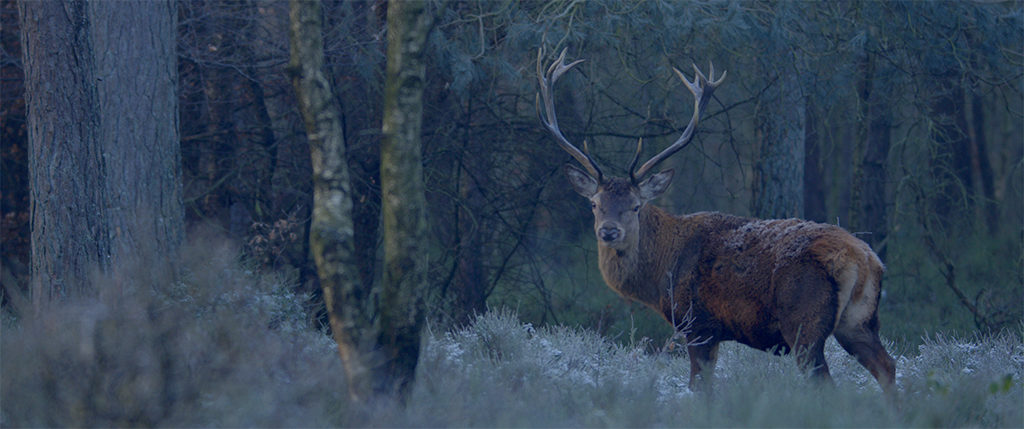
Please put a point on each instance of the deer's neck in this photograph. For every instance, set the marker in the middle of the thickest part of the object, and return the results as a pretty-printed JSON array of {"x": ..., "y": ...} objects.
[{"x": 641, "y": 272}]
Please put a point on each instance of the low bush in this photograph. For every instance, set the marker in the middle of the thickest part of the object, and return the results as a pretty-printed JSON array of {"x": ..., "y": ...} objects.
[
  {"x": 221, "y": 347},
  {"x": 227, "y": 347}
]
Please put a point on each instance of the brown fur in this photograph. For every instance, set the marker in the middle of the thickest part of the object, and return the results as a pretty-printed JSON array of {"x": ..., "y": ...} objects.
[{"x": 776, "y": 285}]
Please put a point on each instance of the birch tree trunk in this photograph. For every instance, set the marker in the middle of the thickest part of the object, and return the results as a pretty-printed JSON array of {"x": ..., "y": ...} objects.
[
  {"x": 403, "y": 208},
  {"x": 377, "y": 327},
  {"x": 351, "y": 305}
]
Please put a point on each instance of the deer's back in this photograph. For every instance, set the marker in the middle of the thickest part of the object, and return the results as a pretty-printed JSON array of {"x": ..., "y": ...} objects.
[{"x": 750, "y": 273}]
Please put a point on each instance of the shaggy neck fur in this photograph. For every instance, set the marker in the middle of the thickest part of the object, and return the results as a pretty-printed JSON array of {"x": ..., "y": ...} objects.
[{"x": 639, "y": 271}]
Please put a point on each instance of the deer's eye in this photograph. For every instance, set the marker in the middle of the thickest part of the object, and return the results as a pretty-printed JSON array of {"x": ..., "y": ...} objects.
[
  {"x": 636, "y": 208},
  {"x": 593, "y": 205}
]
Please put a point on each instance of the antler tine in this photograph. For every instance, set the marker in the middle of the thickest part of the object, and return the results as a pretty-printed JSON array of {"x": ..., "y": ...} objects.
[
  {"x": 548, "y": 117},
  {"x": 636, "y": 158},
  {"x": 559, "y": 66},
  {"x": 702, "y": 88},
  {"x": 711, "y": 76},
  {"x": 689, "y": 85}
]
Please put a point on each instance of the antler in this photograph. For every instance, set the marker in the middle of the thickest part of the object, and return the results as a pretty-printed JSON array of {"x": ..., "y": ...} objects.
[
  {"x": 547, "y": 116},
  {"x": 702, "y": 87}
]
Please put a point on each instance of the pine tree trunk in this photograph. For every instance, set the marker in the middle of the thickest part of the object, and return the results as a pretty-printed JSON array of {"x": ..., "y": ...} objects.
[
  {"x": 870, "y": 213},
  {"x": 814, "y": 177},
  {"x": 69, "y": 239},
  {"x": 101, "y": 89},
  {"x": 951, "y": 158},
  {"x": 137, "y": 85},
  {"x": 981, "y": 164},
  {"x": 778, "y": 190}
]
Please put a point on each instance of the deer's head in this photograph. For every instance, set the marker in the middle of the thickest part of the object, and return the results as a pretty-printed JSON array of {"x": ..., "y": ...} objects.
[{"x": 617, "y": 202}]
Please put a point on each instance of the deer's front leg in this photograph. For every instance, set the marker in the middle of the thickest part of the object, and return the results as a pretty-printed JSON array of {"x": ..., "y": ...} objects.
[{"x": 703, "y": 357}]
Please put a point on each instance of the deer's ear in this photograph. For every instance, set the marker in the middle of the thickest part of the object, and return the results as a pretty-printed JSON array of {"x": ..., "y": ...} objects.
[
  {"x": 655, "y": 185},
  {"x": 582, "y": 182}
]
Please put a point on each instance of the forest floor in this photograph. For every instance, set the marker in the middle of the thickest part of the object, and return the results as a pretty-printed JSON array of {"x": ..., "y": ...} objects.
[{"x": 226, "y": 347}]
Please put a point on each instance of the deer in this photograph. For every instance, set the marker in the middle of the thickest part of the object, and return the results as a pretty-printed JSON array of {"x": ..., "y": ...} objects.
[{"x": 777, "y": 285}]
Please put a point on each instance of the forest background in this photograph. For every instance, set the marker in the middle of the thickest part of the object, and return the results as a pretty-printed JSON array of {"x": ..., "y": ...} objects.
[
  {"x": 908, "y": 121},
  {"x": 902, "y": 122},
  {"x": 903, "y": 119}
]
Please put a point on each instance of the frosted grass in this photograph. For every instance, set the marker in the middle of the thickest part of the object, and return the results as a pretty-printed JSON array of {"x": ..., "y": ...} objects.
[
  {"x": 558, "y": 376},
  {"x": 229, "y": 348}
]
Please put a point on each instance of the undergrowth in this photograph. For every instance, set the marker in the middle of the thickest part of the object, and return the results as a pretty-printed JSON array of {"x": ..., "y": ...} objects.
[
  {"x": 221, "y": 347},
  {"x": 514, "y": 374},
  {"x": 226, "y": 347}
]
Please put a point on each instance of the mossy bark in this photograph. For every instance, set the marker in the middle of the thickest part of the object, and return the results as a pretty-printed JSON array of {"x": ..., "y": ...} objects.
[
  {"x": 403, "y": 209},
  {"x": 351, "y": 305},
  {"x": 377, "y": 327}
]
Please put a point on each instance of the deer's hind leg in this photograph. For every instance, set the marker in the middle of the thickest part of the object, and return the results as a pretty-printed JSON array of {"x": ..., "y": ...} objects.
[
  {"x": 857, "y": 331},
  {"x": 861, "y": 340},
  {"x": 809, "y": 347},
  {"x": 807, "y": 306}
]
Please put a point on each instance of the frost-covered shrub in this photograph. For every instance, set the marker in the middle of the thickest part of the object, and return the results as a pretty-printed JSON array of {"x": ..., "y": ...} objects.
[
  {"x": 221, "y": 347},
  {"x": 578, "y": 376},
  {"x": 226, "y": 347},
  {"x": 500, "y": 372},
  {"x": 968, "y": 381}
]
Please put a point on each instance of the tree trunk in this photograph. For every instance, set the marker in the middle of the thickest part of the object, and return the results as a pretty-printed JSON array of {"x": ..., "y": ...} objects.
[
  {"x": 379, "y": 343},
  {"x": 100, "y": 83},
  {"x": 981, "y": 164},
  {"x": 778, "y": 187},
  {"x": 870, "y": 213},
  {"x": 951, "y": 157},
  {"x": 137, "y": 84},
  {"x": 469, "y": 285},
  {"x": 219, "y": 150},
  {"x": 404, "y": 211},
  {"x": 814, "y": 177},
  {"x": 69, "y": 239},
  {"x": 472, "y": 230},
  {"x": 351, "y": 305}
]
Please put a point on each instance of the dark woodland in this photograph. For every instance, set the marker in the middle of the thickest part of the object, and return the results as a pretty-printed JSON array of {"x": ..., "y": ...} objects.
[{"x": 902, "y": 122}]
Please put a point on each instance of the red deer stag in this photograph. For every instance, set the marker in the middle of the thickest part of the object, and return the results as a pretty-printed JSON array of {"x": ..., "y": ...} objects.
[{"x": 777, "y": 285}]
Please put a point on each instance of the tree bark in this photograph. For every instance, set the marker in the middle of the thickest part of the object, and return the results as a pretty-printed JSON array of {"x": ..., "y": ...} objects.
[
  {"x": 469, "y": 285},
  {"x": 378, "y": 342},
  {"x": 870, "y": 213},
  {"x": 471, "y": 229},
  {"x": 981, "y": 166},
  {"x": 351, "y": 305},
  {"x": 814, "y": 177},
  {"x": 980, "y": 163},
  {"x": 778, "y": 187},
  {"x": 137, "y": 82},
  {"x": 100, "y": 83},
  {"x": 65, "y": 157},
  {"x": 404, "y": 211},
  {"x": 950, "y": 163}
]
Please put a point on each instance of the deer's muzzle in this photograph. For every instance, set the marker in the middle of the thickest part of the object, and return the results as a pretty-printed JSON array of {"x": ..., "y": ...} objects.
[{"x": 609, "y": 233}]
